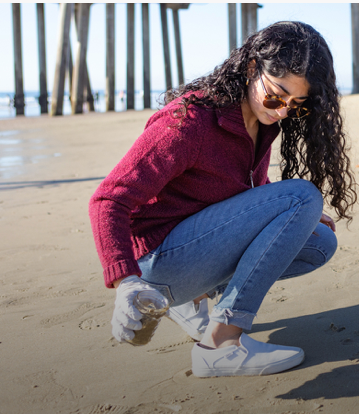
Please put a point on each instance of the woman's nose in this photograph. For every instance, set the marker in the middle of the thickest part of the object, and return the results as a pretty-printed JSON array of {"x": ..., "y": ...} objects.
[{"x": 282, "y": 112}]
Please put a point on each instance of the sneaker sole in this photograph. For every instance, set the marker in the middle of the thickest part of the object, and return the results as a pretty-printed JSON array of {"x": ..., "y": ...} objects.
[{"x": 266, "y": 370}]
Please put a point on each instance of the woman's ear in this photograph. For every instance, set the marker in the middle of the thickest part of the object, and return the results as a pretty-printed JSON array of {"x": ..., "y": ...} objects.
[{"x": 251, "y": 69}]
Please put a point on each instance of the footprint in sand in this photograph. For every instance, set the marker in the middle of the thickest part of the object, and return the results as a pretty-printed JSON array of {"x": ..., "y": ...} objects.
[
  {"x": 42, "y": 293},
  {"x": 169, "y": 348},
  {"x": 89, "y": 324},
  {"x": 345, "y": 258},
  {"x": 68, "y": 316},
  {"x": 334, "y": 329},
  {"x": 42, "y": 387},
  {"x": 102, "y": 409},
  {"x": 152, "y": 407}
]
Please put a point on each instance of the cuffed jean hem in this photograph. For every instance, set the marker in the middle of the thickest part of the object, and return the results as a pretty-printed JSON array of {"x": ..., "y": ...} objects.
[{"x": 240, "y": 319}]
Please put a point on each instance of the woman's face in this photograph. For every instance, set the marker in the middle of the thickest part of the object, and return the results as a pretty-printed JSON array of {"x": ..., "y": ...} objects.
[{"x": 292, "y": 88}]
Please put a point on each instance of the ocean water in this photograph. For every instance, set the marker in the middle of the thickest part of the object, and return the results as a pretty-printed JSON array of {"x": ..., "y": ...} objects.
[{"x": 32, "y": 107}]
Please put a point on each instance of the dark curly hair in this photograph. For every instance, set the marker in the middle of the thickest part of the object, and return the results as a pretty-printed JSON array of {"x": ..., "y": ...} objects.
[{"x": 313, "y": 147}]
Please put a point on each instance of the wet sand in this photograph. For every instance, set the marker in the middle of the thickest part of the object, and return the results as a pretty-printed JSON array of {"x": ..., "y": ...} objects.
[{"x": 57, "y": 351}]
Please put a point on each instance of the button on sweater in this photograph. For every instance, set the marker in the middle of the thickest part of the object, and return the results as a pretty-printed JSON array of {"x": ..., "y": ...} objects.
[{"x": 173, "y": 170}]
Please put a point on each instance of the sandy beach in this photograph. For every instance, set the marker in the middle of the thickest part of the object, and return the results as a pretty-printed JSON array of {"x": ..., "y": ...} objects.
[{"x": 56, "y": 348}]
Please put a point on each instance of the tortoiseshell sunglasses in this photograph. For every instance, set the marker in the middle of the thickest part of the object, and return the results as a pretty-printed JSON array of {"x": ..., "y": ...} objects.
[{"x": 276, "y": 102}]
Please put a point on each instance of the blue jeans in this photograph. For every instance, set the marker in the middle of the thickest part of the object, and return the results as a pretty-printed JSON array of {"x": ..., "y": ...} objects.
[{"x": 240, "y": 247}]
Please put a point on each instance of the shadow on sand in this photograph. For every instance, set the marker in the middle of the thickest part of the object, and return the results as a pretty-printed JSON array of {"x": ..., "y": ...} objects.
[
  {"x": 16, "y": 185},
  {"x": 329, "y": 336}
]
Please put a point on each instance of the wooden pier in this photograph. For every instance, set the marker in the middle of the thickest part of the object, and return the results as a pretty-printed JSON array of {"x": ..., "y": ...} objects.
[{"x": 76, "y": 69}]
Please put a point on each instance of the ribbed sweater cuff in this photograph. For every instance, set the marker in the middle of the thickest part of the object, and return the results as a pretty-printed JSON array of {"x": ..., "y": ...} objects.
[{"x": 120, "y": 270}]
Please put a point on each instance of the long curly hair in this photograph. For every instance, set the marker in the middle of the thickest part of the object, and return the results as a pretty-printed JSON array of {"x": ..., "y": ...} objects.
[{"x": 313, "y": 147}]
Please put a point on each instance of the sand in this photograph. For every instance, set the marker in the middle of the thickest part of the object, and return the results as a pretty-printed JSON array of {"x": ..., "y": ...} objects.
[{"x": 56, "y": 348}]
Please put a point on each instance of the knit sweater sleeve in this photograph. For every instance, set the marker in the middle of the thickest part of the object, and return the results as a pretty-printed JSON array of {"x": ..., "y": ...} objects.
[{"x": 161, "y": 153}]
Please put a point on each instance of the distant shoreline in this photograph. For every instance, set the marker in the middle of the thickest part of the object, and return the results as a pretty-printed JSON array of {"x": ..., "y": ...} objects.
[{"x": 32, "y": 107}]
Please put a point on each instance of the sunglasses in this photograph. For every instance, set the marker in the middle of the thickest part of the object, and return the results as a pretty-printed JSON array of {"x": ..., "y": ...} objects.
[{"x": 275, "y": 102}]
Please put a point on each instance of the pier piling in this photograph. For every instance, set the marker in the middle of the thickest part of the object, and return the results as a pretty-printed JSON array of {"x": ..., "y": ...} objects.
[
  {"x": 42, "y": 57},
  {"x": 130, "y": 89},
  {"x": 355, "y": 45},
  {"x": 166, "y": 48},
  {"x": 232, "y": 25},
  {"x": 176, "y": 25},
  {"x": 80, "y": 72},
  {"x": 19, "y": 100},
  {"x": 62, "y": 58},
  {"x": 249, "y": 19},
  {"x": 110, "y": 57},
  {"x": 146, "y": 56}
]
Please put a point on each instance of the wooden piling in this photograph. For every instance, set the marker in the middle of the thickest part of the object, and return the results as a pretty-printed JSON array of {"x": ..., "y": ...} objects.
[
  {"x": 130, "y": 88},
  {"x": 87, "y": 92},
  {"x": 146, "y": 56},
  {"x": 232, "y": 25},
  {"x": 19, "y": 99},
  {"x": 62, "y": 57},
  {"x": 42, "y": 58},
  {"x": 176, "y": 27},
  {"x": 166, "y": 49},
  {"x": 355, "y": 45},
  {"x": 79, "y": 75},
  {"x": 110, "y": 56},
  {"x": 88, "y": 95},
  {"x": 249, "y": 19},
  {"x": 69, "y": 72}
]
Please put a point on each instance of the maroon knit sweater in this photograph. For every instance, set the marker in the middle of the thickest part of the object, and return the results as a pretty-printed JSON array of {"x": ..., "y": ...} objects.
[{"x": 169, "y": 174}]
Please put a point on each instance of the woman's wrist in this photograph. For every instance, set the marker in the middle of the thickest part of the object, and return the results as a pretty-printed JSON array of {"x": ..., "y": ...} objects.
[{"x": 117, "y": 282}]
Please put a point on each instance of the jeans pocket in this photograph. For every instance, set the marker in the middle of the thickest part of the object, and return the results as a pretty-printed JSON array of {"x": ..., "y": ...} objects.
[{"x": 163, "y": 289}]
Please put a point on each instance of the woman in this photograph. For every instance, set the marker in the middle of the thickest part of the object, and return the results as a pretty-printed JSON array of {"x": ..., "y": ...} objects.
[{"x": 190, "y": 211}]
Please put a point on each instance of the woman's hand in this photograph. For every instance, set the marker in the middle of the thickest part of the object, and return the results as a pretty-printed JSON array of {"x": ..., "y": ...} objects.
[
  {"x": 327, "y": 221},
  {"x": 126, "y": 317}
]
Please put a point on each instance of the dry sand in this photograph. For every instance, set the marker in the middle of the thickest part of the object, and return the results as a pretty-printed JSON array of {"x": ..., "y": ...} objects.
[{"x": 56, "y": 349}]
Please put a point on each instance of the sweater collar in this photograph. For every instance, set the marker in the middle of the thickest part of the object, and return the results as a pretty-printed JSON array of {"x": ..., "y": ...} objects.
[{"x": 231, "y": 119}]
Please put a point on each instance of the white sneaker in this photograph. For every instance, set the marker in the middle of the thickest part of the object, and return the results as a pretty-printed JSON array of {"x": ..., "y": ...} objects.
[
  {"x": 192, "y": 318},
  {"x": 250, "y": 358}
]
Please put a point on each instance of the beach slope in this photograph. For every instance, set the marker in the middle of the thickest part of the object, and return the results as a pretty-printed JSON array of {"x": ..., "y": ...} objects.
[{"x": 57, "y": 351}]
